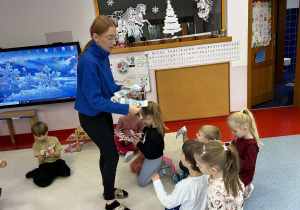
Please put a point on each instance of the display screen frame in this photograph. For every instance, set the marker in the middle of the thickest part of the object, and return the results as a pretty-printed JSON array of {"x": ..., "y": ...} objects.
[{"x": 42, "y": 101}]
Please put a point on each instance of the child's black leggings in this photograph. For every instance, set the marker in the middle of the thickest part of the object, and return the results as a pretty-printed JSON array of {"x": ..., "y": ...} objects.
[
  {"x": 100, "y": 129},
  {"x": 48, "y": 171}
]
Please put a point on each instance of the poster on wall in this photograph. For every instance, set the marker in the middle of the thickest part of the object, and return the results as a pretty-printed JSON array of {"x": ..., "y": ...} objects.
[
  {"x": 261, "y": 24},
  {"x": 131, "y": 70}
]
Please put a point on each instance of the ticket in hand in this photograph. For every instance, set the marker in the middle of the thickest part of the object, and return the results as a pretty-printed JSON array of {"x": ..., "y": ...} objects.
[
  {"x": 132, "y": 133},
  {"x": 128, "y": 139},
  {"x": 181, "y": 131},
  {"x": 51, "y": 147},
  {"x": 124, "y": 92},
  {"x": 134, "y": 102}
]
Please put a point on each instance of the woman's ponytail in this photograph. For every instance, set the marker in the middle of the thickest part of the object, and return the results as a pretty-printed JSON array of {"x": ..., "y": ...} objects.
[{"x": 85, "y": 48}]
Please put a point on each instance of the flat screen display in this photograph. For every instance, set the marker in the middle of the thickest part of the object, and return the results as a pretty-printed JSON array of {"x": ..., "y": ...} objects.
[{"x": 38, "y": 74}]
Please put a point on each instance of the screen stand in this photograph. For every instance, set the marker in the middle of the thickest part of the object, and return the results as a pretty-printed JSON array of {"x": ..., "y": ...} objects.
[{"x": 9, "y": 116}]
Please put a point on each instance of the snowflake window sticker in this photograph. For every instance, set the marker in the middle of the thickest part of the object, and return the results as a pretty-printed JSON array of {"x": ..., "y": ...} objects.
[
  {"x": 204, "y": 6},
  {"x": 155, "y": 9},
  {"x": 110, "y": 2}
]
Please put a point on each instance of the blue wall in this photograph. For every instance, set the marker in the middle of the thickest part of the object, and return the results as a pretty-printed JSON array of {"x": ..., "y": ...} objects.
[{"x": 291, "y": 36}]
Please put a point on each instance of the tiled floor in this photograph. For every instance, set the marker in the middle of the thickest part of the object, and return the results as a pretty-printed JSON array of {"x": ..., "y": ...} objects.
[
  {"x": 273, "y": 122},
  {"x": 283, "y": 93}
]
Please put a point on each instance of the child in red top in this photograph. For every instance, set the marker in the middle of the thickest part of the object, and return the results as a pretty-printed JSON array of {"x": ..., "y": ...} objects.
[
  {"x": 125, "y": 124},
  {"x": 246, "y": 141}
]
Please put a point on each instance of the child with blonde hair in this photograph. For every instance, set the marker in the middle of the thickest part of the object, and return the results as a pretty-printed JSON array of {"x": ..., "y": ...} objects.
[
  {"x": 246, "y": 141},
  {"x": 153, "y": 144},
  {"x": 205, "y": 133},
  {"x": 190, "y": 193},
  {"x": 224, "y": 189}
]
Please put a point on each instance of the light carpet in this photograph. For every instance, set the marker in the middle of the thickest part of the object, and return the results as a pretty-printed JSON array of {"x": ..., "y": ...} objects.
[
  {"x": 276, "y": 180},
  {"x": 83, "y": 189}
]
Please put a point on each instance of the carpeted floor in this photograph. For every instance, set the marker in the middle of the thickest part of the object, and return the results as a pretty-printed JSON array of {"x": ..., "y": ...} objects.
[{"x": 276, "y": 178}]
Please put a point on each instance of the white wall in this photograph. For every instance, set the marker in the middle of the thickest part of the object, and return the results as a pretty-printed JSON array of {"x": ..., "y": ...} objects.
[
  {"x": 237, "y": 26},
  {"x": 292, "y": 4},
  {"x": 24, "y": 23},
  {"x": 30, "y": 20}
]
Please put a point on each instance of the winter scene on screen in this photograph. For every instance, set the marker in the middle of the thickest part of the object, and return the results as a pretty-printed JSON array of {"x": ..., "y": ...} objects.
[{"x": 37, "y": 75}]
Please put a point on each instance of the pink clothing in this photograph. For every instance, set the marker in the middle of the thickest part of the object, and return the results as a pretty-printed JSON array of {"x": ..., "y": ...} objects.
[
  {"x": 123, "y": 148},
  {"x": 126, "y": 124},
  {"x": 123, "y": 128}
]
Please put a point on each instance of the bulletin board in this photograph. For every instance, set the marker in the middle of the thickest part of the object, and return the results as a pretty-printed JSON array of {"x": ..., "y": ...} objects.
[
  {"x": 261, "y": 24},
  {"x": 194, "y": 92},
  {"x": 131, "y": 70}
]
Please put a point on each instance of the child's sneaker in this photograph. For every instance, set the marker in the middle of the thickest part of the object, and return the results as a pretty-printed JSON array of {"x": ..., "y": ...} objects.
[
  {"x": 169, "y": 171},
  {"x": 248, "y": 191},
  {"x": 168, "y": 165},
  {"x": 128, "y": 156},
  {"x": 178, "y": 177},
  {"x": 166, "y": 162}
]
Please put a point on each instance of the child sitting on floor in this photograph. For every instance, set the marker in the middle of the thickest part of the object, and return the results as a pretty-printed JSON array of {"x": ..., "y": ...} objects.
[
  {"x": 125, "y": 124},
  {"x": 153, "y": 145},
  {"x": 206, "y": 133},
  {"x": 190, "y": 192},
  {"x": 47, "y": 149}
]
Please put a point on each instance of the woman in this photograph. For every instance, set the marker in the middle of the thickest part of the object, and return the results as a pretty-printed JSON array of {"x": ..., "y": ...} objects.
[{"x": 95, "y": 87}]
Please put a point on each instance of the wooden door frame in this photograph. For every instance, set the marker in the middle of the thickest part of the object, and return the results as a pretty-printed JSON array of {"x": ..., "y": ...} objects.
[
  {"x": 249, "y": 62},
  {"x": 280, "y": 40},
  {"x": 249, "y": 55},
  {"x": 296, "y": 100},
  {"x": 297, "y": 71}
]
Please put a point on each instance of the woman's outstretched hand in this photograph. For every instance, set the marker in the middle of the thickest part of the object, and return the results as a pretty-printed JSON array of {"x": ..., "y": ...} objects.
[
  {"x": 134, "y": 109},
  {"x": 124, "y": 87}
]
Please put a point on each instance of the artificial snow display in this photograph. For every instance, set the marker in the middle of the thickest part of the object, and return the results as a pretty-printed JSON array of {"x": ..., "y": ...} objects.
[
  {"x": 131, "y": 19},
  {"x": 155, "y": 9},
  {"x": 171, "y": 21},
  {"x": 204, "y": 6}
]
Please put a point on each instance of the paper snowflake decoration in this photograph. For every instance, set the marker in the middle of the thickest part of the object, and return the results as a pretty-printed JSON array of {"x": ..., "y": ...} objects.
[
  {"x": 204, "y": 6},
  {"x": 110, "y": 2},
  {"x": 155, "y": 9}
]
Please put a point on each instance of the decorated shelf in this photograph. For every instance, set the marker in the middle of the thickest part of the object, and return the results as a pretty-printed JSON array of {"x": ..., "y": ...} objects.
[
  {"x": 166, "y": 41},
  {"x": 137, "y": 44},
  {"x": 154, "y": 42},
  {"x": 171, "y": 45},
  {"x": 186, "y": 38}
]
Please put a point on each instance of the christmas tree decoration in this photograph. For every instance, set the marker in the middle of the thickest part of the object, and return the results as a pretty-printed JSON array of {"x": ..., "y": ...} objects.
[
  {"x": 171, "y": 21},
  {"x": 204, "y": 6},
  {"x": 155, "y": 9}
]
